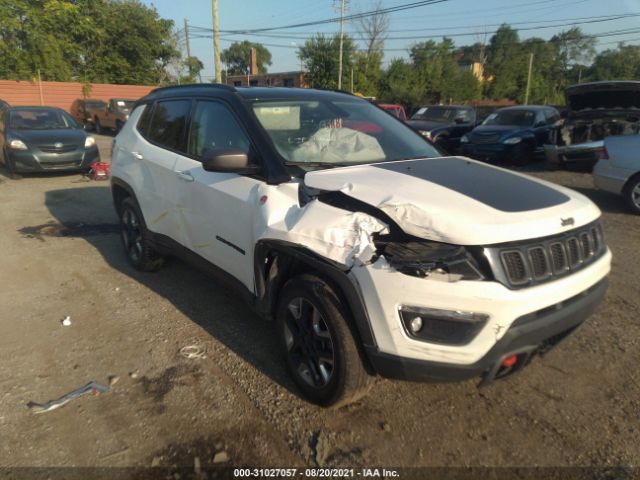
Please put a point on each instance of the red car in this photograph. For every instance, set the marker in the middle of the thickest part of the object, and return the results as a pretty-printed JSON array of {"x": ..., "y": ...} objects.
[{"x": 395, "y": 110}]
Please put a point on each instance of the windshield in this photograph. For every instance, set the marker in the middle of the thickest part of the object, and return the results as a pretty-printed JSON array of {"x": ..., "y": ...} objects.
[
  {"x": 125, "y": 105},
  {"x": 520, "y": 118},
  {"x": 435, "y": 114},
  {"x": 89, "y": 105},
  {"x": 40, "y": 119},
  {"x": 337, "y": 131}
]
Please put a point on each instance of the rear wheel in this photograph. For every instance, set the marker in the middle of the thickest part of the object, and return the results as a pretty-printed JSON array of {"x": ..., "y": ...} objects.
[
  {"x": 135, "y": 238},
  {"x": 320, "y": 349},
  {"x": 631, "y": 194},
  {"x": 118, "y": 126}
]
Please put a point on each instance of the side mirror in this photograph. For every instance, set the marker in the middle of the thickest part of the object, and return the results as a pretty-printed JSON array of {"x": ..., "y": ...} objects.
[{"x": 228, "y": 160}]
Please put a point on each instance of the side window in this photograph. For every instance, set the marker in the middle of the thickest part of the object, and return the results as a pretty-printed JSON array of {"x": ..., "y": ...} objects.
[
  {"x": 213, "y": 126},
  {"x": 552, "y": 116},
  {"x": 540, "y": 118},
  {"x": 168, "y": 124},
  {"x": 144, "y": 120}
]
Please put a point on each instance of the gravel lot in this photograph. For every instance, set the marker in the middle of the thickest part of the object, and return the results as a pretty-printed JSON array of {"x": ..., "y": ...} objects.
[{"x": 61, "y": 256}]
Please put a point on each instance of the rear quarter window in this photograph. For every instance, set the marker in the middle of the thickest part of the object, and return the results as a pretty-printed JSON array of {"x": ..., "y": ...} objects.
[{"x": 168, "y": 125}]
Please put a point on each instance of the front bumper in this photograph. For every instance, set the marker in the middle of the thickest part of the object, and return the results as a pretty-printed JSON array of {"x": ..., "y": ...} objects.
[
  {"x": 583, "y": 153},
  {"x": 386, "y": 291},
  {"x": 489, "y": 151},
  {"x": 529, "y": 335},
  {"x": 26, "y": 161}
]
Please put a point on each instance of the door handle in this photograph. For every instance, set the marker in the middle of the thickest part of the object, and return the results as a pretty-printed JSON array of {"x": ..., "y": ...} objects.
[
  {"x": 137, "y": 155},
  {"x": 186, "y": 176}
]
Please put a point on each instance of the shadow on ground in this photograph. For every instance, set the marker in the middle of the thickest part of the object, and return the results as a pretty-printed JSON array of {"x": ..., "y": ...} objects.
[{"x": 218, "y": 310}]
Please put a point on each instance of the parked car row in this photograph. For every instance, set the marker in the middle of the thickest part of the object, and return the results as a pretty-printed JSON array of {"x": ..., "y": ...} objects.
[{"x": 34, "y": 139}]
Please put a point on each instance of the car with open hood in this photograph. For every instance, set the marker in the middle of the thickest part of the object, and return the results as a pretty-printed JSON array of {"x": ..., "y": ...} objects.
[
  {"x": 444, "y": 125},
  {"x": 595, "y": 111},
  {"x": 372, "y": 253},
  {"x": 37, "y": 139},
  {"x": 512, "y": 134}
]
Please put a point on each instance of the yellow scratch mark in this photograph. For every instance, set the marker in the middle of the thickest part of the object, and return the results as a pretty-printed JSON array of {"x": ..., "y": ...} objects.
[{"x": 160, "y": 217}]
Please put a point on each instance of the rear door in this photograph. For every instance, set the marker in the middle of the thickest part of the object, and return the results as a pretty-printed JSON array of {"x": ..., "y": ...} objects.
[
  {"x": 216, "y": 210},
  {"x": 163, "y": 133}
]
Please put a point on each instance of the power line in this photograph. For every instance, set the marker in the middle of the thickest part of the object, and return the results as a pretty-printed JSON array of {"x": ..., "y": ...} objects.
[
  {"x": 577, "y": 20},
  {"x": 397, "y": 8}
]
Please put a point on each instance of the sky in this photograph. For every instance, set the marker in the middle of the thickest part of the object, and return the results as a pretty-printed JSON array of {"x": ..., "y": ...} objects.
[{"x": 475, "y": 18}]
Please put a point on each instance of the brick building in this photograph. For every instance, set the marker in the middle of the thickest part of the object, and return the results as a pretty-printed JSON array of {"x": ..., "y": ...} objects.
[{"x": 280, "y": 79}]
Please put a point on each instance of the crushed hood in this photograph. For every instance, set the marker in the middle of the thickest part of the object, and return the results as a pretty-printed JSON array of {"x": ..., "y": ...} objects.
[
  {"x": 619, "y": 95},
  {"x": 461, "y": 201}
]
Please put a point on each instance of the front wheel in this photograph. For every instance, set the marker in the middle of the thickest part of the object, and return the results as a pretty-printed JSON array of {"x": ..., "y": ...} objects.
[
  {"x": 521, "y": 154},
  {"x": 320, "y": 349},
  {"x": 135, "y": 238},
  {"x": 631, "y": 193}
]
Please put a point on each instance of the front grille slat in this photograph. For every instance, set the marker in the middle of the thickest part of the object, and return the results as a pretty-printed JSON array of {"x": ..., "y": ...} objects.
[
  {"x": 54, "y": 149},
  {"x": 533, "y": 263}
]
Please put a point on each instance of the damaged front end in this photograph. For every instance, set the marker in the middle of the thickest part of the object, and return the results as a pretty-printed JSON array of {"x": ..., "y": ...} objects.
[{"x": 595, "y": 111}]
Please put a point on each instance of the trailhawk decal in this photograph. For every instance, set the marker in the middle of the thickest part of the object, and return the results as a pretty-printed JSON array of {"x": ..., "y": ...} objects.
[{"x": 497, "y": 188}]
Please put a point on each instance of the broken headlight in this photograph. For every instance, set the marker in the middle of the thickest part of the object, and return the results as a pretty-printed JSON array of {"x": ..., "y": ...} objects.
[{"x": 420, "y": 259}]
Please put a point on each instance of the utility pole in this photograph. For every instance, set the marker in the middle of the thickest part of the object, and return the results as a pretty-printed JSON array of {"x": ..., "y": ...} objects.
[
  {"x": 351, "y": 79},
  {"x": 216, "y": 42},
  {"x": 341, "y": 41},
  {"x": 526, "y": 95}
]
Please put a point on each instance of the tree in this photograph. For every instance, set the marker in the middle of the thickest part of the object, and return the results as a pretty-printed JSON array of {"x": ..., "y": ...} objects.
[
  {"x": 506, "y": 64},
  {"x": 320, "y": 56},
  {"x": 620, "y": 64},
  {"x": 574, "y": 46},
  {"x": 114, "y": 41},
  {"x": 238, "y": 54}
]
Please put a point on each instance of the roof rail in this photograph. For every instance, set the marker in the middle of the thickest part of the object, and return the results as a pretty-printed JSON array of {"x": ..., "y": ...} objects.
[{"x": 191, "y": 85}]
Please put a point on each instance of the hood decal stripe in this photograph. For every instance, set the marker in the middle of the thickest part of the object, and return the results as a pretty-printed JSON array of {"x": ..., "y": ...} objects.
[{"x": 496, "y": 188}]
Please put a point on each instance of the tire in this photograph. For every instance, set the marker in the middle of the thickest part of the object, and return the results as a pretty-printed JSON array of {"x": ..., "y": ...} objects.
[
  {"x": 118, "y": 127},
  {"x": 135, "y": 238},
  {"x": 97, "y": 126},
  {"x": 9, "y": 165},
  {"x": 320, "y": 349},
  {"x": 631, "y": 193},
  {"x": 442, "y": 141},
  {"x": 521, "y": 154}
]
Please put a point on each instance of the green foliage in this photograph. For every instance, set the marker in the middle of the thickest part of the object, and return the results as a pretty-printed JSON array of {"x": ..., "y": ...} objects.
[
  {"x": 237, "y": 57},
  {"x": 320, "y": 56},
  {"x": 620, "y": 64},
  {"x": 193, "y": 66},
  {"x": 107, "y": 41}
]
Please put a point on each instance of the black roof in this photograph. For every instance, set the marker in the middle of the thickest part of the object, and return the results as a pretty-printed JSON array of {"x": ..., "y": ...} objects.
[
  {"x": 534, "y": 108},
  {"x": 33, "y": 107},
  {"x": 247, "y": 93}
]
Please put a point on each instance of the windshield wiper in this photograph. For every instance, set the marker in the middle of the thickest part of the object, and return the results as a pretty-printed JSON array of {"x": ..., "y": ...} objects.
[{"x": 316, "y": 164}]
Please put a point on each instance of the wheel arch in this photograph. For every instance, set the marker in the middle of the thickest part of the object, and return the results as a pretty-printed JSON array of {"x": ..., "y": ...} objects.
[
  {"x": 119, "y": 191},
  {"x": 277, "y": 261}
]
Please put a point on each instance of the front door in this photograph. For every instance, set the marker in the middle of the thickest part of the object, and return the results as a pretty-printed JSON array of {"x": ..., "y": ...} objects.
[{"x": 216, "y": 210}]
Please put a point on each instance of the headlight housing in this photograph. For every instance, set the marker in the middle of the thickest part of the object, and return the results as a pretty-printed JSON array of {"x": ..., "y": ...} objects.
[
  {"x": 464, "y": 139},
  {"x": 425, "y": 133},
  {"x": 17, "y": 145},
  {"x": 424, "y": 258},
  {"x": 89, "y": 142},
  {"x": 512, "y": 140}
]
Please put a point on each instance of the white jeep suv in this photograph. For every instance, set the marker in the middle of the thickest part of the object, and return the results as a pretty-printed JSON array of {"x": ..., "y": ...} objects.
[{"x": 372, "y": 252}]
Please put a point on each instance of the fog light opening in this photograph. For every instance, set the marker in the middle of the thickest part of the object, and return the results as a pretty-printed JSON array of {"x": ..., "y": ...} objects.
[{"x": 416, "y": 324}]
